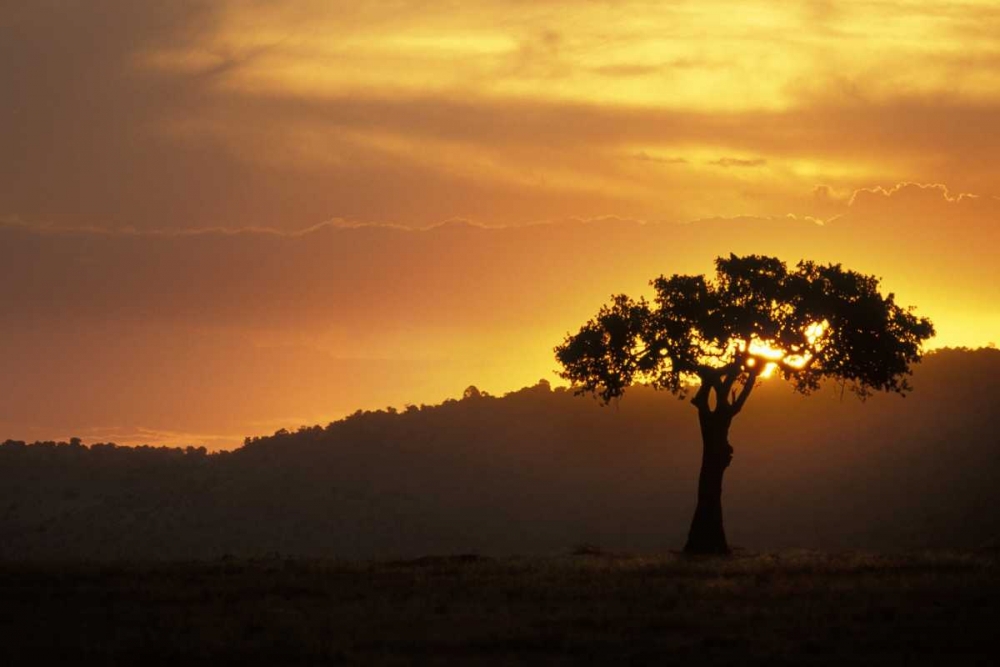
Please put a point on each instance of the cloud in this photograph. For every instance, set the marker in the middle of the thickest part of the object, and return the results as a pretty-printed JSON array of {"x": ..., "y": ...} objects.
[
  {"x": 662, "y": 68},
  {"x": 738, "y": 162},
  {"x": 643, "y": 156},
  {"x": 185, "y": 117},
  {"x": 385, "y": 280},
  {"x": 626, "y": 70},
  {"x": 268, "y": 278},
  {"x": 928, "y": 212},
  {"x": 923, "y": 192},
  {"x": 808, "y": 218},
  {"x": 826, "y": 194}
]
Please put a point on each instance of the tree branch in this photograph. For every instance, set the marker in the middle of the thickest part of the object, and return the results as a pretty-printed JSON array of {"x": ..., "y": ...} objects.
[
  {"x": 744, "y": 392},
  {"x": 732, "y": 372}
]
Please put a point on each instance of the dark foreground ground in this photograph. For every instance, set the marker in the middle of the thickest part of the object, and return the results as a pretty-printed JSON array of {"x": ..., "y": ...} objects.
[{"x": 786, "y": 608}]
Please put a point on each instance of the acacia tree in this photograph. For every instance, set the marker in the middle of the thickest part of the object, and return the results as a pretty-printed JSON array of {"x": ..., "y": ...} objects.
[{"x": 718, "y": 338}]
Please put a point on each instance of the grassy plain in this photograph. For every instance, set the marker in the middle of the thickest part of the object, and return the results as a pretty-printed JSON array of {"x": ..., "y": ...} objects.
[{"x": 801, "y": 608}]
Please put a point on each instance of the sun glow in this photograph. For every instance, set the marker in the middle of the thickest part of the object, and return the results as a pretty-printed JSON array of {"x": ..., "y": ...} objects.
[{"x": 773, "y": 356}]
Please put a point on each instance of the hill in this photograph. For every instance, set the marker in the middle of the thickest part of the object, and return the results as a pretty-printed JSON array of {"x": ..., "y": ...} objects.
[{"x": 535, "y": 472}]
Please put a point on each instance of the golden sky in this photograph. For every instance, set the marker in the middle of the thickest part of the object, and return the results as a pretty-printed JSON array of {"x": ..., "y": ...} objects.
[{"x": 220, "y": 218}]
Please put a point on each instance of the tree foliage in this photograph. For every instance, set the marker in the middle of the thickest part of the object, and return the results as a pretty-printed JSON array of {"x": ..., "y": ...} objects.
[{"x": 756, "y": 317}]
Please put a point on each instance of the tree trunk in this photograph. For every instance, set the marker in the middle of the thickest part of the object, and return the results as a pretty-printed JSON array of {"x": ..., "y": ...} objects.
[{"x": 707, "y": 535}]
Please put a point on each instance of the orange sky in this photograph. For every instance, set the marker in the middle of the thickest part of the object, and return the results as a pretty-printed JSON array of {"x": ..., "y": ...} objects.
[{"x": 221, "y": 218}]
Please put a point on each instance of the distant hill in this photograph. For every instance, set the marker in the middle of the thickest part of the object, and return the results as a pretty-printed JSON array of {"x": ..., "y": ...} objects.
[{"x": 536, "y": 471}]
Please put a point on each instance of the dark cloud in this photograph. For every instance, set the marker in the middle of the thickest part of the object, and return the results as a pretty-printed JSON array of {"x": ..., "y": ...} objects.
[
  {"x": 77, "y": 144},
  {"x": 376, "y": 275}
]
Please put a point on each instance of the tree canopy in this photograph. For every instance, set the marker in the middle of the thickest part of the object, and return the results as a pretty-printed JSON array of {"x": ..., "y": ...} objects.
[{"x": 756, "y": 318}]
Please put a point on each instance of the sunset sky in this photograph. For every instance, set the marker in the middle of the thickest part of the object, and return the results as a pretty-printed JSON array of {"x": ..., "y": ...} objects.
[{"x": 222, "y": 218}]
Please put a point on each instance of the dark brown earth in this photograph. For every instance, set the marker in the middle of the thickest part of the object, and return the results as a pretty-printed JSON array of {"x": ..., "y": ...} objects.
[{"x": 786, "y": 608}]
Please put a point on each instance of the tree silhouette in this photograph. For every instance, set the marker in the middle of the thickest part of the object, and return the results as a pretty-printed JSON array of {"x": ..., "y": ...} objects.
[{"x": 719, "y": 337}]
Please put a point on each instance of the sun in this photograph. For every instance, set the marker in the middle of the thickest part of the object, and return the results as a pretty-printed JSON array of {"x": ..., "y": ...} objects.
[{"x": 768, "y": 353}]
